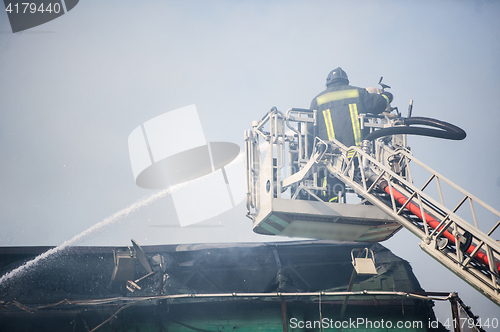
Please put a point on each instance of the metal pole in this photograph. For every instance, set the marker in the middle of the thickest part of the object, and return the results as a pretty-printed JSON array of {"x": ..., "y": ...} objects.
[
  {"x": 454, "y": 313},
  {"x": 351, "y": 282},
  {"x": 283, "y": 314}
]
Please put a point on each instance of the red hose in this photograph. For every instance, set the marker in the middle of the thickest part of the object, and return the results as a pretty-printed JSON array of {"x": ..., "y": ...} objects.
[{"x": 480, "y": 256}]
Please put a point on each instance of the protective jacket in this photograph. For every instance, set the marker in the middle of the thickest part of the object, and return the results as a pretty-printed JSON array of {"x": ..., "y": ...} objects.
[{"x": 338, "y": 108}]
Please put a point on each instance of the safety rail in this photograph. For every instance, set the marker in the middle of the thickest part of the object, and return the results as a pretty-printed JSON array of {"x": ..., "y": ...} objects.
[{"x": 298, "y": 155}]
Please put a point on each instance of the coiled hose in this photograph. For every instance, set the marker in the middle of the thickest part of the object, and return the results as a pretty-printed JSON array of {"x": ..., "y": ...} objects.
[{"x": 444, "y": 129}]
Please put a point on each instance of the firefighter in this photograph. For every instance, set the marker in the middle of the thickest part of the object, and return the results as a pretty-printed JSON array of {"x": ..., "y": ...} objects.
[
  {"x": 338, "y": 108},
  {"x": 339, "y": 105}
]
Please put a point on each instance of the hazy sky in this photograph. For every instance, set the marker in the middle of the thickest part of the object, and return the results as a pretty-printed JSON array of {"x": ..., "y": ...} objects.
[{"x": 73, "y": 89}]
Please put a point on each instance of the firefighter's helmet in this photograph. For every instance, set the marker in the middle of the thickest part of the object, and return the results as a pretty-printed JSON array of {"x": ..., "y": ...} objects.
[{"x": 337, "y": 76}]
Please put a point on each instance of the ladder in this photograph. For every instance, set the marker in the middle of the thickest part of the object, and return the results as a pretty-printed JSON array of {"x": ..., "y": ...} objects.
[{"x": 458, "y": 244}]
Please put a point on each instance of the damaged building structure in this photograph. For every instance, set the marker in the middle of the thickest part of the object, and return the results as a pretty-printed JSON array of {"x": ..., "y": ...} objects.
[{"x": 280, "y": 286}]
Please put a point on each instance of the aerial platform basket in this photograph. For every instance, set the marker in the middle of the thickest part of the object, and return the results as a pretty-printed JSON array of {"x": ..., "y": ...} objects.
[
  {"x": 289, "y": 170},
  {"x": 326, "y": 221}
]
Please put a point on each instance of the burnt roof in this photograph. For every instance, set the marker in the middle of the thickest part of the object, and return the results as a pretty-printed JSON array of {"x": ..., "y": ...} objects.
[{"x": 298, "y": 266}]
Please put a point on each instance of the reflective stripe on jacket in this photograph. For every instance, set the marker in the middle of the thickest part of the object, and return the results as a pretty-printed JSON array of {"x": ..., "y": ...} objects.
[{"x": 338, "y": 108}]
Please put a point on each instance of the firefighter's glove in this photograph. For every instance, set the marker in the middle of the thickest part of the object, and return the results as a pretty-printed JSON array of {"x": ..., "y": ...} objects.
[
  {"x": 388, "y": 96},
  {"x": 388, "y": 114}
]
